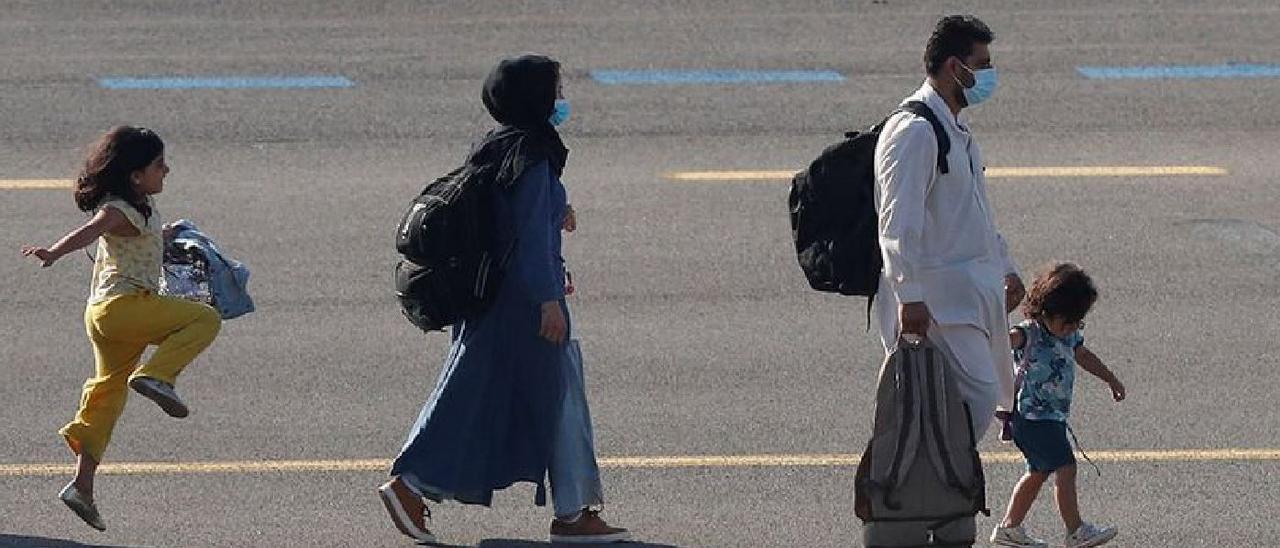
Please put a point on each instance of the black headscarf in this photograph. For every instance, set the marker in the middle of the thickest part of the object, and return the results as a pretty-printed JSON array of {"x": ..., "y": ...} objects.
[{"x": 520, "y": 93}]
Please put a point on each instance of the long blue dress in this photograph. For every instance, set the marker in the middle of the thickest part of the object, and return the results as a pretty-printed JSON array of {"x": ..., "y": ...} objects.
[{"x": 491, "y": 420}]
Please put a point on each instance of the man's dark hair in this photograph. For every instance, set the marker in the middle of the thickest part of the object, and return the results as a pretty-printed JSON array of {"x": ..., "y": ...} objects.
[{"x": 954, "y": 36}]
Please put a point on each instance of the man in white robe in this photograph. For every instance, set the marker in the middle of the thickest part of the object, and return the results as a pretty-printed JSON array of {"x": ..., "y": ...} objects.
[{"x": 947, "y": 271}]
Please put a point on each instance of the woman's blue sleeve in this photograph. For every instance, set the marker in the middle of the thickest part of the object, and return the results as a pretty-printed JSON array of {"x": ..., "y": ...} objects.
[{"x": 535, "y": 265}]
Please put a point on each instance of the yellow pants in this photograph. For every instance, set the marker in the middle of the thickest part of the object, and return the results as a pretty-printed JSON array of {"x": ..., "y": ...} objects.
[{"x": 120, "y": 329}]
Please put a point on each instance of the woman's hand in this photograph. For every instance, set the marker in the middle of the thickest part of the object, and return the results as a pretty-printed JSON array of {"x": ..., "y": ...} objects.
[
  {"x": 46, "y": 257},
  {"x": 570, "y": 223},
  {"x": 554, "y": 326}
]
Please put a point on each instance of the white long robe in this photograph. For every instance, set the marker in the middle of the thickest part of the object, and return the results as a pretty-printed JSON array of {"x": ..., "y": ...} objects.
[{"x": 940, "y": 246}]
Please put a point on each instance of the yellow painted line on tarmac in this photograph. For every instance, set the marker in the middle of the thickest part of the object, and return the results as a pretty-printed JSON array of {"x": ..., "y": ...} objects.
[
  {"x": 993, "y": 172},
  {"x": 730, "y": 461},
  {"x": 1103, "y": 171},
  {"x": 215, "y": 467},
  {"x": 652, "y": 462},
  {"x": 851, "y": 459},
  {"x": 729, "y": 176},
  {"x": 35, "y": 184}
]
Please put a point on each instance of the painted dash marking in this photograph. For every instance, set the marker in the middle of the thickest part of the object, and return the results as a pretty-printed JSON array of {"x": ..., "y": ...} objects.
[
  {"x": 991, "y": 173},
  {"x": 1166, "y": 72},
  {"x": 35, "y": 184},
  {"x": 226, "y": 82},
  {"x": 713, "y": 77}
]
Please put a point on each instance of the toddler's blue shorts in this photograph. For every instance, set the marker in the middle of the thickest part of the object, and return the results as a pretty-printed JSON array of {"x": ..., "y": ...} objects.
[{"x": 1043, "y": 443}]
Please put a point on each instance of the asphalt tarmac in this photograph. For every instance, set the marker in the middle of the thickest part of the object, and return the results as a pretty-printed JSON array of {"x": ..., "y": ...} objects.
[{"x": 700, "y": 334}]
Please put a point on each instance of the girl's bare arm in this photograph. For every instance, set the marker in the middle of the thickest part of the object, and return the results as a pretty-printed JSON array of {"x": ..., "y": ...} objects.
[
  {"x": 1093, "y": 364},
  {"x": 108, "y": 219}
]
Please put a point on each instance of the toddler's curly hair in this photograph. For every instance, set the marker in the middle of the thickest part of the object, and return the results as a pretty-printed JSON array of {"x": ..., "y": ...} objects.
[{"x": 1062, "y": 290}]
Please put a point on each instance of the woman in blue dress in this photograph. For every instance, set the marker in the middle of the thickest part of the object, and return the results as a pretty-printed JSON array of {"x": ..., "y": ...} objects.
[{"x": 509, "y": 405}]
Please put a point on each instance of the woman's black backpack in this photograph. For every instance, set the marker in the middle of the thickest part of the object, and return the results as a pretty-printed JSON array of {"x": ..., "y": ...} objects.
[
  {"x": 449, "y": 270},
  {"x": 833, "y": 210}
]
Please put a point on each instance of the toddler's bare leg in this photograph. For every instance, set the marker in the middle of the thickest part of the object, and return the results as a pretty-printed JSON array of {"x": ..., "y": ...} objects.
[
  {"x": 1024, "y": 495},
  {"x": 1065, "y": 493}
]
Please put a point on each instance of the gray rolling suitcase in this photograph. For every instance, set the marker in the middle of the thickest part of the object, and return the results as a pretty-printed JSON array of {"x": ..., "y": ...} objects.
[{"x": 920, "y": 481}]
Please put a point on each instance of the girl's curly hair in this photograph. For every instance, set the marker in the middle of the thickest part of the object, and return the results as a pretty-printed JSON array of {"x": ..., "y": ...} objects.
[
  {"x": 1062, "y": 290},
  {"x": 109, "y": 167}
]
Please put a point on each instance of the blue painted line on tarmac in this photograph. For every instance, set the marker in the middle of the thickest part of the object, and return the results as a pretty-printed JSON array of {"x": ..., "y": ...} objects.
[
  {"x": 226, "y": 82},
  {"x": 1159, "y": 72},
  {"x": 685, "y": 77}
]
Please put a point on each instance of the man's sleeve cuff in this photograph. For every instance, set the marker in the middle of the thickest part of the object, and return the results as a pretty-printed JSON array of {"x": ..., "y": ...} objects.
[{"x": 1011, "y": 268}]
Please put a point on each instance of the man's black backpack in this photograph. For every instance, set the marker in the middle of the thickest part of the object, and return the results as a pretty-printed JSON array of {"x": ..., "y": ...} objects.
[
  {"x": 449, "y": 270},
  {"x": 833, "y": 211}
]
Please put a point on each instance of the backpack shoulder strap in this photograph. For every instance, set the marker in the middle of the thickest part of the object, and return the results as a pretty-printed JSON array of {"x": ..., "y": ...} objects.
[{"x": 944, "y": 141}]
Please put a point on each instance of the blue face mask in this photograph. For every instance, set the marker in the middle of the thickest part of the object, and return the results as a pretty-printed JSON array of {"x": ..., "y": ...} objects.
[
  {"x": 984, "y": 85},
  {"x": 561, "y": 112}
]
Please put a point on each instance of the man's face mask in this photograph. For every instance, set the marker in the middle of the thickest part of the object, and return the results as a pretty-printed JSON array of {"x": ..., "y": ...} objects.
[
  {"x": 561, "y": 112},
  {"x": 984, "y": 85}
]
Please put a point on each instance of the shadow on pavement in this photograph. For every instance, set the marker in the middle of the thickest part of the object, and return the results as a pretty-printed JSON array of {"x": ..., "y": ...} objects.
[
  {"x": 20, "y": 541},
  {"x": 510, "y": 543}
]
